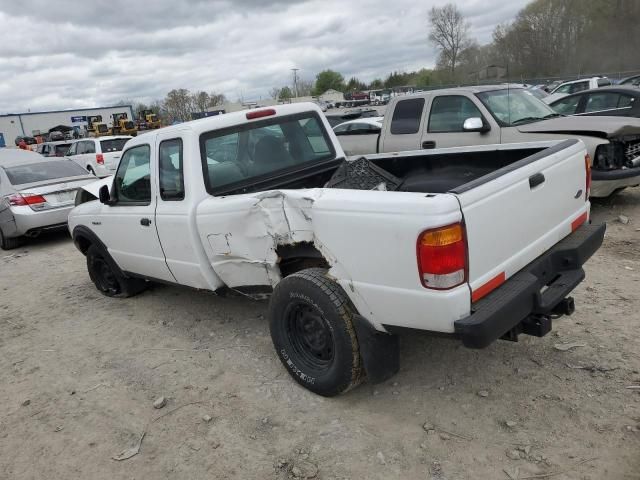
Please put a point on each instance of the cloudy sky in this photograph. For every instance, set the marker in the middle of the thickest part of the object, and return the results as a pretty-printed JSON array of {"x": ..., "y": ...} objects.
[{"x": 60, "y": 54}]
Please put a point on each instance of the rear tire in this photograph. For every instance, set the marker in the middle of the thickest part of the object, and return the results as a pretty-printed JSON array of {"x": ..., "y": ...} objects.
[
  {"x": 10, "y": 243},
  {"x": 107, "y": 279},
  {"x": 310, "y": 318}
]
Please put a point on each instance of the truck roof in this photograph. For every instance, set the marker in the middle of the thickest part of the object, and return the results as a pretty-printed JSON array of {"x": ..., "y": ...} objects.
[
  {"x": 226, "y": 120},
  {"x": 470, "y": 89}
]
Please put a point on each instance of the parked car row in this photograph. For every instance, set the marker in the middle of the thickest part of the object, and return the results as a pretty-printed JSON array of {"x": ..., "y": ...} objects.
[{"x": 36, "y": 194}]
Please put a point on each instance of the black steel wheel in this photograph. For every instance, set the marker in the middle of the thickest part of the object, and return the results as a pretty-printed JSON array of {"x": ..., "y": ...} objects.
[
  {"x": 107, "y": 278},
  {"x": 310, "y": 319},
  {"x": 310, "y": 335}
]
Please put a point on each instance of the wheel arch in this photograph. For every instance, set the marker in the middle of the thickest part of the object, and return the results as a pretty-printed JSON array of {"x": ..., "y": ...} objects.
[{"x": 293, "y": 258}]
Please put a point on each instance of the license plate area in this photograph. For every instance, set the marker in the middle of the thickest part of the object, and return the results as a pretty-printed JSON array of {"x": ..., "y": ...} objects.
[{"x": 61, "y": 198}]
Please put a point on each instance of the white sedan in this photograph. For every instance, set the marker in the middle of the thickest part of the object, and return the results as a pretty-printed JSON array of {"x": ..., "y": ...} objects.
[{"x": 350, "y": 134}]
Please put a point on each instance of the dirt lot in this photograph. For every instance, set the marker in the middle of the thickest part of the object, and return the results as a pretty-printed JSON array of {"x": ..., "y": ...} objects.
[{"x": 79, "y": 374}]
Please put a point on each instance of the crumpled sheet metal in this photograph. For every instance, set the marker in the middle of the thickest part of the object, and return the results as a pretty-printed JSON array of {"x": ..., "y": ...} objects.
[{"x": 246, "y": 255}]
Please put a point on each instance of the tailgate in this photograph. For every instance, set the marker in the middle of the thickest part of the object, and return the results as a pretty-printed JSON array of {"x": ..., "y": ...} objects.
[
  {"x": 517, "y": 213},
  {"x": 111, "y": 160}
]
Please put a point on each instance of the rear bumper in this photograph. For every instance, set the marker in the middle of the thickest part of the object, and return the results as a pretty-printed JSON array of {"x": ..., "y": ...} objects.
[
  {"x": 29, "y": 222},
  {"x": 521, "y": 301},
  {"x": 604, "y": 183}
]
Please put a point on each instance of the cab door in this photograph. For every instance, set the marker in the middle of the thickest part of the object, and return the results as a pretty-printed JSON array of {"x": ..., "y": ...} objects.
[
  {"x": 404, "y": 131},
  {"x": 446, "y": 119},
  {"x": 176, "y": 210},
  {"x": 127, "y": 224}
]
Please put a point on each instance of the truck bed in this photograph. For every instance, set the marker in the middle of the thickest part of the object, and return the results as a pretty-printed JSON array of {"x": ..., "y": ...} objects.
[{"x": 422, "y": 171}]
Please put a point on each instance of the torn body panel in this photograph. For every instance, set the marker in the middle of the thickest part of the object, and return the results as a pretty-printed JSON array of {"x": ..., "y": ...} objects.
[
  {"x": 369, "y": 247},
  {"x": 243, "y": 244}
]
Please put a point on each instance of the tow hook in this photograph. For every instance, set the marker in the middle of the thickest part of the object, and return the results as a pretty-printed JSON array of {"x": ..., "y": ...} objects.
[{"x": 566, "y": 307}]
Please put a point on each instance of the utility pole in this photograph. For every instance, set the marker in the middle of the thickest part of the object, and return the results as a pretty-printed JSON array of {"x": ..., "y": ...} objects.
[{"x": 295, "y": 81}]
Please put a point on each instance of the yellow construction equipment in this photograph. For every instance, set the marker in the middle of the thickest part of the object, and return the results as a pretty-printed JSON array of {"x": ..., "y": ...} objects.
[
  {"x": 147, "y": 120},
  {"x": 121, "y": 125},
  {"x": 95, "y": 126}
]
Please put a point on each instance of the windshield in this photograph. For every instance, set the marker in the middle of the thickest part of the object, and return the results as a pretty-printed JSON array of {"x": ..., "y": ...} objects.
[
  {"x": 41, "y": 172},
  {"x": 511, "y": 107},
  {"x": 113, "y": 145},
  {"x": 62, "y": 149}
]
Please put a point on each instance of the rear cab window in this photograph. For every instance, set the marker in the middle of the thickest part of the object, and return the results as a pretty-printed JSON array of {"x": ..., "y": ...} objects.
[
  {"x": 41, "y": 172},
  {"x": 238, "y": 156},
  {"x": 407, "y": 116},
  {"x": 171, "y": 170},
  {"x": 113, "y": 145}
]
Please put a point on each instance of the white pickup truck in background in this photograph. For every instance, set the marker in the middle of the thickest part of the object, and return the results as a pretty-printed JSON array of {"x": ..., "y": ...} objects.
[
  {"x": 498, "y": 114},
  {"x": 478, "y": 242}
]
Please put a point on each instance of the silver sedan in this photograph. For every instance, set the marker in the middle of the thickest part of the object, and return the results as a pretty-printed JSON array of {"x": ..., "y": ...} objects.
[{"x": 36, "y": 194}]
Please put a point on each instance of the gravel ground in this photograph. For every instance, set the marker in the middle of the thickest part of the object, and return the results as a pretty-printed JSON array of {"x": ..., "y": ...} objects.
[{"x": 79, "y": 374}]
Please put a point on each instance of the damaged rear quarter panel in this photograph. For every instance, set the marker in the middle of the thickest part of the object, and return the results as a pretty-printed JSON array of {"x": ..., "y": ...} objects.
[
  {"x": 242, "y": 232},
  {"x": 367, "y": 237}
]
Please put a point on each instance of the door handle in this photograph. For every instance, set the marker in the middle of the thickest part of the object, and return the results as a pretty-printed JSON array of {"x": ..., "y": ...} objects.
[
  {"x": 535, "y": 180},
  {"x": 429, "y": 144},
  {"x": 145, "y": 222}
]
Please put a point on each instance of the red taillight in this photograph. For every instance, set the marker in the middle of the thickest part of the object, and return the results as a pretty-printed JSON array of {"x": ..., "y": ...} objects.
[
  {"x": 252, "y": 115},
  {"x": 26, "y": 199},
  {"x": 442, "y": 257},
  {"x": 587, "y": 169},
  {"x": 99, "y": 159}
]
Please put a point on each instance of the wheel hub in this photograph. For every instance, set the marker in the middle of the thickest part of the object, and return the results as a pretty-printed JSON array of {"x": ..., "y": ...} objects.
[{"x": 310, "y": 335}]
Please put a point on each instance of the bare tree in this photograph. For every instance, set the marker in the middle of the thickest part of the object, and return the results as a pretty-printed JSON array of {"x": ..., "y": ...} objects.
[
  {"x": 274, "y": 93},
  {"x": 305, "y": 87},
  {"x": 179, "y": 104},
  {"x": 201, "y": 101},
  {"x": 216, "y": 99},
  {"x": 450, "y": 33}
]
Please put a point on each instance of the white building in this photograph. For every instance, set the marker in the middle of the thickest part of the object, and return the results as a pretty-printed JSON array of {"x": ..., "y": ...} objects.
[{"x": 29, "y": 124}]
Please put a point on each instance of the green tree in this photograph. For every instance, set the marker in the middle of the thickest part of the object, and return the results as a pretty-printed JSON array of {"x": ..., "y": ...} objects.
[
  {"x": 285, "y": 94},
  {"x": 423, "y": 77},
  {"x": 328, "y": 80},
  {"x": 355, "y": 85},
  {"x": 377, "y": 84}
]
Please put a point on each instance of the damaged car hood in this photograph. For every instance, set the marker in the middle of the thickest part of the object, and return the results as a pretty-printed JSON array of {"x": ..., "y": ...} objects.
[
  {"x": 94, "y": 187},
  {"x": 603, "y": 127}
]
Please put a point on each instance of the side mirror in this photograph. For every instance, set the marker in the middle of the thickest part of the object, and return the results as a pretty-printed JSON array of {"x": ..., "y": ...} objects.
[
  {"x": 103, "y": 195},
  {"x": 475, "y": 124}
]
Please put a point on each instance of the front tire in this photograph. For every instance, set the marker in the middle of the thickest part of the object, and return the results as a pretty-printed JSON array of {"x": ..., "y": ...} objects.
[
  {"x": 107, "y": 279},
  {"x": 310, "y": 318}
]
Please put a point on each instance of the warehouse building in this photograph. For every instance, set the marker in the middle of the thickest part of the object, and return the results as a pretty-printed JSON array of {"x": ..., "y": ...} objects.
[{"x": 30, "y": 124}]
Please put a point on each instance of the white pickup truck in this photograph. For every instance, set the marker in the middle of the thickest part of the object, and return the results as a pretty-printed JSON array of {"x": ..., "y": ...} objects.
[{"x": 478, "y": 242}]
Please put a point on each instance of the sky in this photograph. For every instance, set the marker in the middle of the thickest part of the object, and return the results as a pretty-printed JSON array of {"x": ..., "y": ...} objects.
[{"x": 64, "y": 54}]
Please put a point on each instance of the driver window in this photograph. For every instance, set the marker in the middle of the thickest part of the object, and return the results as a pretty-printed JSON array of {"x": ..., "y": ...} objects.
[
  {"x": 132, "y": 184},
  {"x": 448, "y": 113}
]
